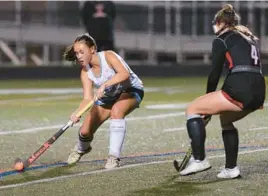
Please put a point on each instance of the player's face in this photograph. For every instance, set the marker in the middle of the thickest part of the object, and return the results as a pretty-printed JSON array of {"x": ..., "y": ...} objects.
[{"x": 83, "y": 53}]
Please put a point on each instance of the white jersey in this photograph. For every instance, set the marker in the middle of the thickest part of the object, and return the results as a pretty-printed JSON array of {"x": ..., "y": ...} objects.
[{"x": 107, "y": 73}]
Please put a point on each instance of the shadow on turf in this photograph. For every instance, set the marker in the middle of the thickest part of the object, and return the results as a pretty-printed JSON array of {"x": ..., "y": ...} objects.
[
  {"x": 26, "y": 176},
  {"x": 194, "y": 185},
  {"x": 177, "y": 186}
]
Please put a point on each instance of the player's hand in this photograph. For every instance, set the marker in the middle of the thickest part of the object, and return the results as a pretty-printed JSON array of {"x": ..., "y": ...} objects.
[
  {"x": 74, "y": 118},
  {"x": 206, "y": 119},
  {"x": 100, "y": 91}
]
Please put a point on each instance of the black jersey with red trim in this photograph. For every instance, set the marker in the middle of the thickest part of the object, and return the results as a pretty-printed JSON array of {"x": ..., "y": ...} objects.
[{"x": 231, "y": 49}]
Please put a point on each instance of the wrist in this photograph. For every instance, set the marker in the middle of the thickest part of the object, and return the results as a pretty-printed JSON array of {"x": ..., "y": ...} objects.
[{"x": 105, "y": 85}]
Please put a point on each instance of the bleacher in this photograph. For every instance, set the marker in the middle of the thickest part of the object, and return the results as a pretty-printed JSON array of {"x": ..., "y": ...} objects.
[{"x": 145, "y": 32}]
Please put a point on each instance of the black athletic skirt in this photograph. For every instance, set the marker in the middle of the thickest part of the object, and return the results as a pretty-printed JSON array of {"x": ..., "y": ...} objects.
[{"x": 247, "y": 90}]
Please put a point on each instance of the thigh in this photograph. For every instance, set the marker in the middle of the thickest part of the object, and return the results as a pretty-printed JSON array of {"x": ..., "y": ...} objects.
[
  {"x": 230, "y": 117},
  {"x": 95, "y": 118},
  {"x": 211, "y": 103},
  {"x": 123, "y": 106}
]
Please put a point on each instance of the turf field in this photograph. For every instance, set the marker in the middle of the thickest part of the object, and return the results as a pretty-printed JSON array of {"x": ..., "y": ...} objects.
[{"x": 32, "y": 111}]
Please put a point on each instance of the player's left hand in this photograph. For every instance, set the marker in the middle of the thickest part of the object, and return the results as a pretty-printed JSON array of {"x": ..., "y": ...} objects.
[{"x": 206, "y": 119}]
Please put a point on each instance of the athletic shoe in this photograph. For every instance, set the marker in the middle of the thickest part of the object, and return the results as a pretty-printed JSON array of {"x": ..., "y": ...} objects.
[
  {"x": 112, "y": 162},
  {"x": 227, "y": 173},
  {"x": 195, "y": 166},
  {"x": 190, "y": 160},
  {"x": 76, "y": 155}
]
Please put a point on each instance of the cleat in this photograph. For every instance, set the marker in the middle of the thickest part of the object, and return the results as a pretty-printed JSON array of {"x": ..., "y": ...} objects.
[
  {"x": 76, "y": 155},
  {"x": 227, "y": 173},
  {"x": 177, "y": 165},
  {"x": 112, "y": 162},
  {"x": 195, "y": 166}
]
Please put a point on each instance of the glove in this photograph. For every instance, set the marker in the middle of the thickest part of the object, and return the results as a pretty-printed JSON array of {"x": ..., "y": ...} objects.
[
  {"x": 206, "y": 119},
  {"x": 113, "y": 90}
]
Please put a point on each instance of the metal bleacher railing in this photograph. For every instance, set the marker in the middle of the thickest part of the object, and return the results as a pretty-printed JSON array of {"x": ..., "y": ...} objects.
[{"x": 145, "y": 32}]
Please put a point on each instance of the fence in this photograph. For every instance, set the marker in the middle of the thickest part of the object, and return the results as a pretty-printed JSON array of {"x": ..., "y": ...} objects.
[{"x": 150, "y": 32}]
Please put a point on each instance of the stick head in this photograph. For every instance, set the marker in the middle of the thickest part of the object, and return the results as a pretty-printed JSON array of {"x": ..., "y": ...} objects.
[{"x": 18, "y": 165}]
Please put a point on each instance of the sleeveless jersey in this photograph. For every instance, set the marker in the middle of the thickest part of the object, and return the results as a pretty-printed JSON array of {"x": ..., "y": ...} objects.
[{"x": 107, "y": 73}]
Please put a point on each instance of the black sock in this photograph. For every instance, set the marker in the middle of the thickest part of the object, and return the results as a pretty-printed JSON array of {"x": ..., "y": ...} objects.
[
  {"x": 197, "y": 133},
  {"x": 84, "y": 138},
  {"x": 231, "y": 142}
]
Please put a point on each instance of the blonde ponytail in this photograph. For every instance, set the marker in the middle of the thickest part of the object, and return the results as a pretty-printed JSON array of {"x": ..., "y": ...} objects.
[{"x": 245, "y": 31}]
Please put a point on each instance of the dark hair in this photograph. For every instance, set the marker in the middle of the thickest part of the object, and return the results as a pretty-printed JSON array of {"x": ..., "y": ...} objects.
[
  {"x": 69, "y": 54},
  {"x": 231, "y": 19}
]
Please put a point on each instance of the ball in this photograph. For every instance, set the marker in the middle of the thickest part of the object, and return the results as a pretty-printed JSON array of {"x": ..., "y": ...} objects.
[{"x": 18, "y": 165}]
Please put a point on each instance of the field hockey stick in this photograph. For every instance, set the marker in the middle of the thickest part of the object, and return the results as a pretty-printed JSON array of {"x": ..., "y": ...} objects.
[
  {"x": 181, "y": 166},
  {"x": 24, "y": 164}
]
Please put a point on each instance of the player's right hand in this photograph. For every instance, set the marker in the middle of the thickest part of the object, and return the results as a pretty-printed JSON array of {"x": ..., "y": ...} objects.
[{"x": 74, "y": 118}]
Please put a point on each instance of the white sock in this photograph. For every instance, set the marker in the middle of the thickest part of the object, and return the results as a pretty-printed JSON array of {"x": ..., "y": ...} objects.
[
  {"x": 83, "y": 143},
  {"x": 117, "y": 136}
]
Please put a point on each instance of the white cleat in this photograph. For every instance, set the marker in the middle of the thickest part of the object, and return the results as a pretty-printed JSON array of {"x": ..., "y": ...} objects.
[
  {"x": 112, "y": 162},
  {"x": 227, "y": 173},
  {"x": 190, "y": 160},
  {"x": 75, "y": 156},
  {"x": 195, "y": 166}
]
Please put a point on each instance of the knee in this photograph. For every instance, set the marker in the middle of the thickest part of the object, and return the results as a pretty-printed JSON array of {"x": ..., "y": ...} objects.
[
  {"x": 85, "y": 128},
  {"x": 190, "y": 110},
  {"x": 116, "y": 113},
  {"x": 229, "y": 126},
  {"x": 83, "y": 131},
  {"x": 226, "y": 124},
  {"x": 224, "y": 121}
]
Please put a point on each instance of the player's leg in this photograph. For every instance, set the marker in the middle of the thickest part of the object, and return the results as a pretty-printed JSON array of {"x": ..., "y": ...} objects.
[
  {"x": 125, "y": 104},
  {"x": 231, "y": 141},
  {"x": 91, "y": 123},
  {"x": 209, "y": 104}
]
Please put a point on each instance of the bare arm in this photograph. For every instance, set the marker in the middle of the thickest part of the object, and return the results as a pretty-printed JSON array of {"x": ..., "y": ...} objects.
[
  {"x": 122, "y": 73},
  {"x": 87, "y": 91}
]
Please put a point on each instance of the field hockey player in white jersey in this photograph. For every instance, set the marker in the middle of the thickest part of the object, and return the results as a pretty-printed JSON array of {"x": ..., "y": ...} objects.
[{"x": 118, "y": 92}]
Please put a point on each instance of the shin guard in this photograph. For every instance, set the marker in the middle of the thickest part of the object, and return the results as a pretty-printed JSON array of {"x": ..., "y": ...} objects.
[
  {"x": 231, "y": 142},
  {"x": 197, "y": 134}
]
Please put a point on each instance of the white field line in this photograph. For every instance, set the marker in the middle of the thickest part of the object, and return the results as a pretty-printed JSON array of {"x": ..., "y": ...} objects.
[
  {"x": 109, "y": 170},
  {"x": 60, "y": 90},
  {"x": 37, "y": 129},
  {"x": 258, "y": 128},
  {"x": 63, "y": 97},
  {"x": 41, "y": 91},
  {"x": 167, "y": 106},
  {"x": 173, "y": 106},
  {"x": 54, "y": 91},
  {"x": 174, "y": 129},
  {"x": 184, "y": 128}
]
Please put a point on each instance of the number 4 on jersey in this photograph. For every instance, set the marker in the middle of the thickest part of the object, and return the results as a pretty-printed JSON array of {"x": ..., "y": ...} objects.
[{"x": 254, "y": 54}]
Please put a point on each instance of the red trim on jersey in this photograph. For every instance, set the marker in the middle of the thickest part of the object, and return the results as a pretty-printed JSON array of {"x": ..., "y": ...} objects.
[
  {"x": 230, "y": 60},
  {"x": 239, "y": 104}
]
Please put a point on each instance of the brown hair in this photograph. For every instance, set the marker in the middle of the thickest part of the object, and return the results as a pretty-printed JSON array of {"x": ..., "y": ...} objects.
[
  {"x": 69, "y": 54},
  {"x": 231, "y": 19}
]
